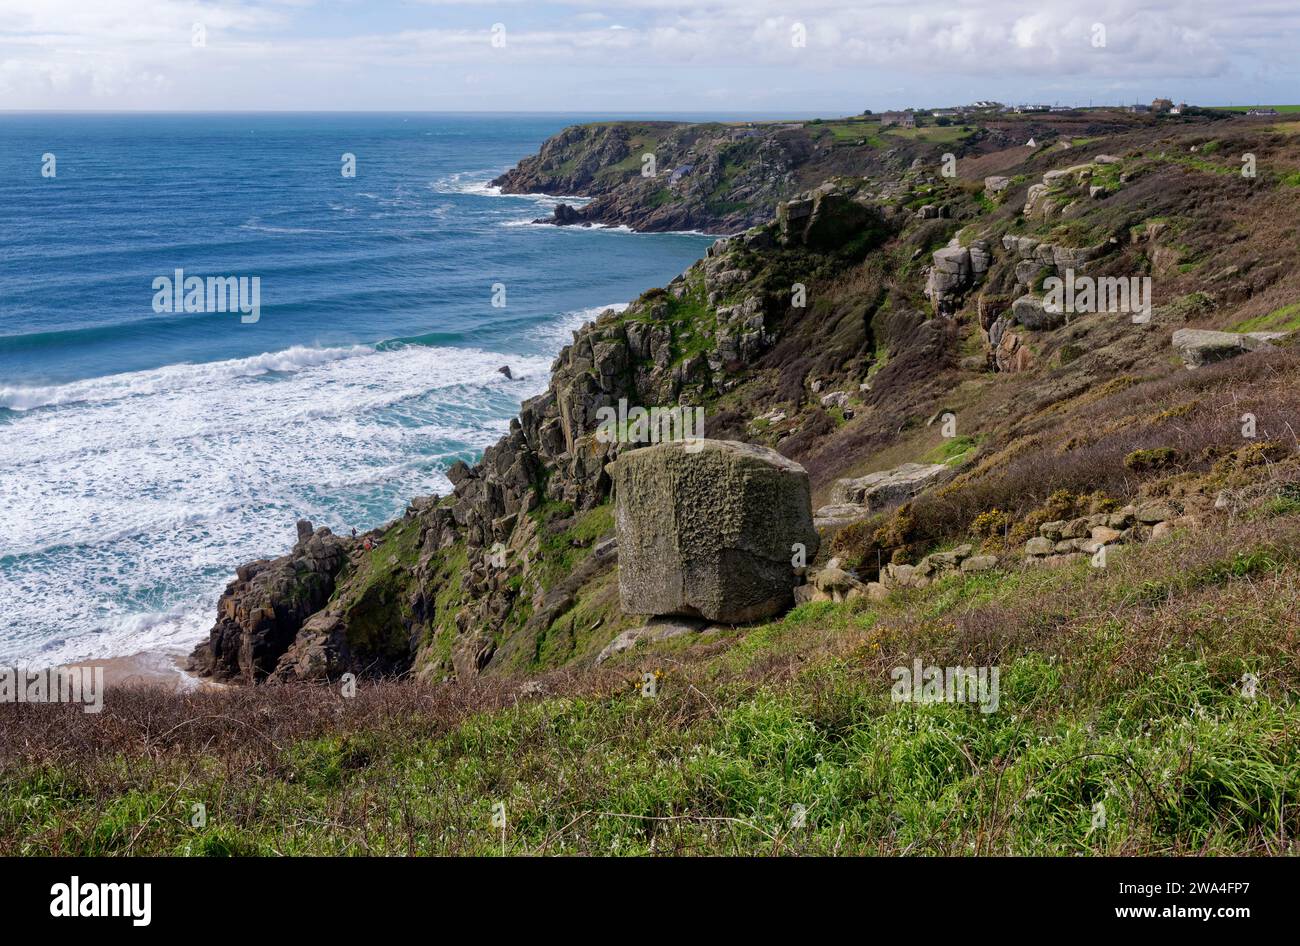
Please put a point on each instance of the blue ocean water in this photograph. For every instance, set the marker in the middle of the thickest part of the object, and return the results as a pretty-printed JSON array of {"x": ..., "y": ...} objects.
[{"x": 144, "y": 455}]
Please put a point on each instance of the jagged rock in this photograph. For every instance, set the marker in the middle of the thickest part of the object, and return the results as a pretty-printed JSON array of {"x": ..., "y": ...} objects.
[
  {"x": 1137, "y": 533},
  {"x": 1010, "y": 354},
  {"x": 262, "y": 610},
  {"x": 903, "y": 576},
  {"x": 792, "y": 215},
  {"x": 953, "y": 272},
  {"x": 564, "y": 216},
  {"x": 319, "y": 651},
  {"x": 1027, "y": 272},
  {"x": 1200, "y": 346},
  {"x": 995, "y": 184},
  {"x": 709, "y": 529},
  {"x": 803, "y": 594},
  {"x": 827, "y": 219},
  {"x": 471, "y": 651},
  {"x": 1023, "y": 246},
  {"x": 1035, "y": 201}
]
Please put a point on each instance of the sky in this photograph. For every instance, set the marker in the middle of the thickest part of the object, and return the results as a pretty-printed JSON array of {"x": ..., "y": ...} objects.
[{"x": 826, "y": 57}]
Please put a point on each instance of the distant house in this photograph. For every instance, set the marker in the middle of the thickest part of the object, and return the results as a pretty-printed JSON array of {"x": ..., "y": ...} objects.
[
  {"x": 945, "y": 113},
  {"x": 1161, "y": 105},
  {"x": 901, "y": 119},
  {"x": 1262, "y": 111}
]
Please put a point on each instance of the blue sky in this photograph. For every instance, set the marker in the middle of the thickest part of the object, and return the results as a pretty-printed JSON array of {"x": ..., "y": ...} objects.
[{"x": 800, "y": 56}]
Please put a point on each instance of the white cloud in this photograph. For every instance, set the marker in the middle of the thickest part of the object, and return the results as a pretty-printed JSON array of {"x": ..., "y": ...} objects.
[{"x": 137, "y": 53}]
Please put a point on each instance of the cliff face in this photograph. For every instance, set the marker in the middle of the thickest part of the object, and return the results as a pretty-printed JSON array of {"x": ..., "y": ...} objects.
[
  {"x": 837, "y": 333},
  {"x": 665, "y": 176},
  {"x": 723, "y": 177},
  {"x": 482, "y": 577}
]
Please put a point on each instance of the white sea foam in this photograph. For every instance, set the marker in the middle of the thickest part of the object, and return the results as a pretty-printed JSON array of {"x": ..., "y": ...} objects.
[
  {"x": 171, "y": 377},
  {"x": 478, "y": 184},
  {"x": 126, "y": 501}
]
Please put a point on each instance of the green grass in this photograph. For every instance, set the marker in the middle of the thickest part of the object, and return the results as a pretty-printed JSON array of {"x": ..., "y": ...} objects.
[
  {"x": 1285, "y": 319},
  {"x": 937, "y": 134},
  {"x": 953, "y": 450},
  {"x": 866, "y": 133},
  {"x": 1119, "y": 688}
]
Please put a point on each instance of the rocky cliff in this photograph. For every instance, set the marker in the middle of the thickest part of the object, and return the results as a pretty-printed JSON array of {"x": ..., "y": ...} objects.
[
  {"x": 724, "y": 177},
  {"x": 871, "y": 322}
]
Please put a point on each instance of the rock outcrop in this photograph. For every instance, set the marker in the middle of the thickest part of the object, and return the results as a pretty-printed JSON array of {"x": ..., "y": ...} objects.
[
  {"x": 710, "y": 530},
  {"x": 856, "y": 498},
  {"x": 263, "y": 609},
  {"x": 956, "y": 268},
  {"x": 1201, "y": 347},
  {"x": 828, "y": 218}
]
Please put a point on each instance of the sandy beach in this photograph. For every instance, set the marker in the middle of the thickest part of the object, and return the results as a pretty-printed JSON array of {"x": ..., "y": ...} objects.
[{"x": 150, "y": 669}]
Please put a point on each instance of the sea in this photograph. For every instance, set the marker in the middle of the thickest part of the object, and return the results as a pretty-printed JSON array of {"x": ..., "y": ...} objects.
[{"x": 145, "y": 453}]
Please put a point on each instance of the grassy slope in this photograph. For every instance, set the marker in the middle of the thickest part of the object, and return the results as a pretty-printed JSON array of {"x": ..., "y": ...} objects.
[{"x": 1119, "y": 686}]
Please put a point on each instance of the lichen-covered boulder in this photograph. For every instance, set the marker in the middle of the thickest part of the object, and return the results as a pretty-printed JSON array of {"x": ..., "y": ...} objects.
[
  {"x": 885, "y": 488},
  {"x": 1201, "y": 347},
  {"x": 710, "y": 528}
]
